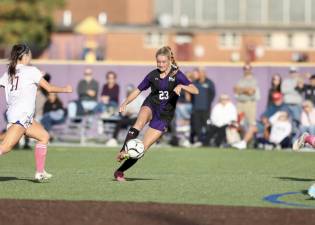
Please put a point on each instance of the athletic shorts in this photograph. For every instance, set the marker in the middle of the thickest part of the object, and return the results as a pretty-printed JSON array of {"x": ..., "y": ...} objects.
[
  {"x": 25, "y": 121},
  {"x": 156, "y": 122}
]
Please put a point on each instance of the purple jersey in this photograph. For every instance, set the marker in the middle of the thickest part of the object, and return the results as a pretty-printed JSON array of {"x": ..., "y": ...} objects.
[{"x": 162, "y": 99}]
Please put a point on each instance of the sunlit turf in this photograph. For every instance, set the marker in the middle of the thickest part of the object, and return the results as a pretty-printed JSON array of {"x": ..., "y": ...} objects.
[{"x": 173, "y": 175}]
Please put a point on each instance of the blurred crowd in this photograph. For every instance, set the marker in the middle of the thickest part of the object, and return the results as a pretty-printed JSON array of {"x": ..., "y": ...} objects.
[{"x": 199, "y": 121}]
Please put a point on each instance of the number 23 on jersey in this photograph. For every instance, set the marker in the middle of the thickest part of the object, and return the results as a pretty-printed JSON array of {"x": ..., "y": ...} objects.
[{"x": 163, "y": 95}]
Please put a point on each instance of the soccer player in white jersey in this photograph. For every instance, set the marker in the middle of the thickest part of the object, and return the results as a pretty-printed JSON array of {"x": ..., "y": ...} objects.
[{"x": 21, "y": 82}]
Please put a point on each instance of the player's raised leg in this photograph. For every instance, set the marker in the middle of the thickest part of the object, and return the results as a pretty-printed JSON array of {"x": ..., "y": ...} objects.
[
  {"x": 12, "y": 137},
  {"x": 144, "y": 116},
  {"x": 150, "y": 137},
  {"x": 37, "y": 131}
]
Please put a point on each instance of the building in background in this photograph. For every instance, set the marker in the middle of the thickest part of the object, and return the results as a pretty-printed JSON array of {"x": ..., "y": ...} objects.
[{"x": 198, "y": 30}]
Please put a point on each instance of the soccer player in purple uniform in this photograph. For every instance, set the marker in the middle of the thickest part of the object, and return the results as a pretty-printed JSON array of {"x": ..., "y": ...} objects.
[{"x": 166, "y": 83}]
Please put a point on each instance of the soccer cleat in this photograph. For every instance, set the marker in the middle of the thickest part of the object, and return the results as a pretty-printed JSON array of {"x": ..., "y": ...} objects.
[
  {"x": 311, "y": 191},
  {"x": 111, "y": 143},
  {"x": 240, "y": 145},
  {"x": 40, "y": 177},
  {"x": 197, "y": 144},
  {"x": 300, "y": 142},
  {"x": 119, "y": 176},
  {"x": 122, "y": 156},
  {"x": 47, "y": 175}
]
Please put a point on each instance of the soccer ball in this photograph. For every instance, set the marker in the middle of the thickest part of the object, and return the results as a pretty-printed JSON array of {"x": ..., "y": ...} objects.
[
  {"x": 135, "y": 148},
  {"x": 311, "y": 191}
]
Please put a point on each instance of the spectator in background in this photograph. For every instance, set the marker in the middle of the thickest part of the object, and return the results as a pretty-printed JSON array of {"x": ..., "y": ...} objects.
[
  {"x": 308, "y": 118},
  {"x": 308, "y": 90},
  {"x": 180, "y": 125},
  {"x": 281, "y": 129},
  {"x": 291, "y": 95},
  {"x": 247, "y": 94},
  {"x": 87, "y": 90},
  {"x": 110, "y": 94},
  {"x": 275, "y": 86},
  {"x": 264, "y": 124},
  {"x": 128, "y": 117},
  {"x": 184, "y": 106},
  {"x": 54, "y": 112},
  {"x": 223, "y": 114},
  {"x": 279, "y": 134},
  {"x": 201, "y": 105}
]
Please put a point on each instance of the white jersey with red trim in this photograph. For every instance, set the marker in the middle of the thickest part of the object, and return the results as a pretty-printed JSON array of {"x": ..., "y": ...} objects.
[{"x": 20, "y": 93}]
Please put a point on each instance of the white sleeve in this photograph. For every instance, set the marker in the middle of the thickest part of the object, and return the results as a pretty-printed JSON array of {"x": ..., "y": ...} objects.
[
  {"x": 3, "y": 80},
  {"x": 36, "y": 75}
]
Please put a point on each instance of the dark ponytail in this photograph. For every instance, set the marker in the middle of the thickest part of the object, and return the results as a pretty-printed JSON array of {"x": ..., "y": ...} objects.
[{"x": 17, "y": 53}]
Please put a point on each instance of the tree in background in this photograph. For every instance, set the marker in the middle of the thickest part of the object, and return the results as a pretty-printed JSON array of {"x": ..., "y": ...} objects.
[{"x": 28, "y": 21}]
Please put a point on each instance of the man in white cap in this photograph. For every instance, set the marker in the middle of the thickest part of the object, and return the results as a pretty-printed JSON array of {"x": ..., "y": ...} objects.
[{"x": 291, "y": 96}]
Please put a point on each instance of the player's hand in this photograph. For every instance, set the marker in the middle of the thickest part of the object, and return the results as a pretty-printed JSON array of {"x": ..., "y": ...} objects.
[
  {"x": 68, "y": 89},
  {"x": 122, "y": 107},
  {"x": 178, "y": 89}
]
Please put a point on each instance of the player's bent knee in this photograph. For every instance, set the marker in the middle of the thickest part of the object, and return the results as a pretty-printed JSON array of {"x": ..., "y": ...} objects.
[
  {"x": 138, "y": 125},
  {"x": 44, "y": 139}
]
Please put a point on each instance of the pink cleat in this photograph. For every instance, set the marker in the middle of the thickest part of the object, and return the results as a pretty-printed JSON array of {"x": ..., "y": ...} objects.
[
  {"x": 300, "y": 142},
  {"x": 119, "y": 176}
]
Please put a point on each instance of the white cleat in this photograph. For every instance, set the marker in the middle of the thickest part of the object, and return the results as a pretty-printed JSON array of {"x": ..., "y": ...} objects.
[
  {"x": 300, "y": 142},
  {"x": 184, "y": 143},
  {"x": 111, "y": 143},
  {"x": 240, "y": 145},
  {"x": 41, "y": 177},
  {"x": 197, "y": 144}
]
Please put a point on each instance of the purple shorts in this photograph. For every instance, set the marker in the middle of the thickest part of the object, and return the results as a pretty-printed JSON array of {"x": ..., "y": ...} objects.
[{"x": 156, "y": 122}]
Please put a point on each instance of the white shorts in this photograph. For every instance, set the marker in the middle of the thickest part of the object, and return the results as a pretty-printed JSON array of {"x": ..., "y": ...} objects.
[{"x": 25, "y": 121}]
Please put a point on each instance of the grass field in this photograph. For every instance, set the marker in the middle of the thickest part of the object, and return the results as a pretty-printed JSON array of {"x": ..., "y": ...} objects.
[{"x": 172, "y": 175}]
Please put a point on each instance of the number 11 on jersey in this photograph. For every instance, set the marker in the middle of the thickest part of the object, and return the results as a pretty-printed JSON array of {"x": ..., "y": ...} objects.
[{"x": 14, "y": 83}]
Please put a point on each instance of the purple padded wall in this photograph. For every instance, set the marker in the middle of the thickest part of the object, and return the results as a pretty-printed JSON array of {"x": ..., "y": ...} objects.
[{"x": 224, "y": 78}]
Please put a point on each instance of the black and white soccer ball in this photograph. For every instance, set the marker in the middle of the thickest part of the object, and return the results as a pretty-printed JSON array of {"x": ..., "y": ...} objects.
[{"x": 135, "y": 148}]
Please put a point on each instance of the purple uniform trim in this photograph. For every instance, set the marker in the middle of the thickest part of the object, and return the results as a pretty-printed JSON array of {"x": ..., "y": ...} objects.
[
  {"x": 182, "y": 79},
  {"x": 156, "y": 122},
  {"x": 18, "y": 123},
  {"x": 145, "y": 84},
  {"x": 162, "y": 100}
]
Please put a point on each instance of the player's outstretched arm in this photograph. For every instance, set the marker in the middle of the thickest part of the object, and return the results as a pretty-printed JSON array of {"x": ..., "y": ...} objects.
[
  {"x": 54, "y": 89},
  {"x": 129, "y": 99},
  {"x": 189, "y": 88}
]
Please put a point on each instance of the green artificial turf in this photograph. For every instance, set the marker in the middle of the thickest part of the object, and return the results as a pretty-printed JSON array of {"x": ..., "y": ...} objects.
[{"x": 173, "y": 175}]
